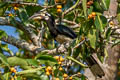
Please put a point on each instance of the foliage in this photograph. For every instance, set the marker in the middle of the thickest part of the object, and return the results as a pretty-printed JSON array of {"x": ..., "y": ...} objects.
[{"x": 96, "y": 29}]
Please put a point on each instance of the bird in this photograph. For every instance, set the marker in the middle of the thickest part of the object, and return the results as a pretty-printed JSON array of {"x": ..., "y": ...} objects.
[
  {"x": 64, "y": 34},
  {"x": 61, "y": 33}
]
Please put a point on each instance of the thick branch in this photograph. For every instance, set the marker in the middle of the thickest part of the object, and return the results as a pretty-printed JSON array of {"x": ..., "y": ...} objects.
[
  {"x": 27, "y": 29},
  {"x": 19, "y": 43}
]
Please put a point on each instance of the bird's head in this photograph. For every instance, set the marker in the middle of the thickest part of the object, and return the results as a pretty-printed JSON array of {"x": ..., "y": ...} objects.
[{"x": 42, "y": 16}]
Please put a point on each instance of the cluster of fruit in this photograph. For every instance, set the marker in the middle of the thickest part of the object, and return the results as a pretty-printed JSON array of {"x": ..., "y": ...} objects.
[
  {"x": 92, "y": 15},
  {"x": 59, "y": 8},
  {"x": 89, "y": 3},
  {"x": 13, "y": 72},
  {"x": 49, "y": 69},
  {"x": 15, "y": 7}
]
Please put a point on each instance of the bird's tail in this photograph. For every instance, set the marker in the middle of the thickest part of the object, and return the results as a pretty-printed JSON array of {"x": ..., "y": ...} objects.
[{"x": 94, "y": 66}]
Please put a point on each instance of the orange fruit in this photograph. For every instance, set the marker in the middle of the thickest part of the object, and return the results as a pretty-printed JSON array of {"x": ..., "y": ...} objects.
[
  {"x": 59, "y": 10},
  {"x": 91, "y": 2},
  {"x": 56, "y": 57},
  {"x": 12, "y": 79},
  {"x": 88, "y": 3},
  {"x": 61, "y": 59},
  {"x": 111, "y": 23},
  {"x": 12, "y": 69},
  {"x": 57, "y": 1},
  {"x": 65, "y": 75},
  {"x": 15, "y": 8},
  {"x": 93, "y": 14},
  {"x": 60, "y": 68},
  {"x": 59, "y": 62},
  {"x": 47, "y": 73},
  {"x": 59, "y": 6},
  {"x": 57, "y": 79},
  {"x": 10, "y": 14},
  {"x": 90, "y": 16},
  {"x": 70, "y": 78},
  {"x": 48, "y": 68}
]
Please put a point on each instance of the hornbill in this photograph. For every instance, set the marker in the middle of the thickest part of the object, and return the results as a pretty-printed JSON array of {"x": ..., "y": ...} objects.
[
  {"x": 59, "y": 32},
  {"x": 63, "y": 34}
]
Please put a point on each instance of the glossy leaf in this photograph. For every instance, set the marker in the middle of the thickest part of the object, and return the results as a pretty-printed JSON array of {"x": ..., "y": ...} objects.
[
  {"x": 4, "y": 59},
  {"x": 108, "y": 32},
  {"x": 100, "y": 22},
  {"x": 92, "y": 38},
  {"x": 46, "y": 58},
  {"x": 84, "y": 7},
  {"x": 2, "y": 34},
  {"x": 13, "y": 61},
  {"x": 32, "y": 62}
]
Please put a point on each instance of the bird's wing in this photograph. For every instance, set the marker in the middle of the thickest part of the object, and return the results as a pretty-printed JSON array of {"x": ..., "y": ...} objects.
[{"x": 66, "y": 31}]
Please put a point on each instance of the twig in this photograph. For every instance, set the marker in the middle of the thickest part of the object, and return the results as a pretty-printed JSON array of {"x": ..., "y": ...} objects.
[
  {"x": 71, "y": 58},
  {"x": 72, "y": 8}
]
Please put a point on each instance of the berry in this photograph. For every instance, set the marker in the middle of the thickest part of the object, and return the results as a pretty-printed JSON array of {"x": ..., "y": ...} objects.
[
  {"x": 93, "y": 14},
  {"x": 60, "y": 68},
  {"x": 70, "y": 78},
  {"x": 57, "y": 1},
  {"x": 12, "y": 69},
  {"x": 12, "y": 79},
  {"x": 15, "y": 76},
  {"x": 90, "y": 16},
  {"x": 59, "y": 6},
  {"x": 48, "y": 68},
  {"x": 59, "y": 10},
  {"x": 56, "y": 57},
  {"x": 10, "y": 14},
  {"x": 91, "y": 2},
  {"x": 61, "y": 59},
  {"x": 88, "y": 3},
  {"x": 65, "y": 75},
  {"x": 59, "y": 62},
  {"x": 47, "y": 73},
  {"x": 15, "y": 8},
  {"x": 57, "y": 79},
  {"x": 111, "y": 23}
]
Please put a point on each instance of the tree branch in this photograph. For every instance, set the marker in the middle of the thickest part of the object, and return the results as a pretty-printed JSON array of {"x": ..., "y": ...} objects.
[{"x": 27, "y": 29}]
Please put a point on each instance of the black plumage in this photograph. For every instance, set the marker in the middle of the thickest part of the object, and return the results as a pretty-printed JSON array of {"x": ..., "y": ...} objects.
[{"x": 61, "y": 33}]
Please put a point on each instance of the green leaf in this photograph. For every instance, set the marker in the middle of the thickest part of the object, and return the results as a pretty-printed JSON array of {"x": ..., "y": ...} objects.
[
  {"x": 13, "y": 61},
  {"x": 92, "y": 38},
  {"x": 44, "y": 77},
  {"x": 4, "y": 59},
  {"x": 6, "y": 76},
  {"x": 33, "y": 62},
  {"x": 108, "y": 32},
  {"x": 2, "y": 34},
  {"x": 22, "y": 14},
  {"x": 46, "y": 58},
  {"x": 107, "y": 2},
  {"x": 97, "y": 7},
  {"x": 84, "y": 7},
  {"x": 104, "y": 4},
  {"x": 100, "y": 22},
  {"x": 2, "y": 4}
]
